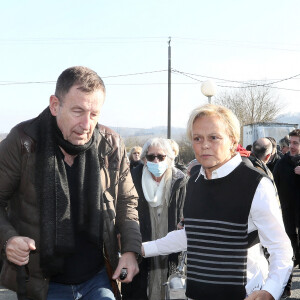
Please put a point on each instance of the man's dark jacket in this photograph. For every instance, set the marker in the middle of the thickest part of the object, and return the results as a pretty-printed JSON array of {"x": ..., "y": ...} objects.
[
  {"x": 19, "y": 206},
  {"x": 288, "y": 186},
  {"x": 272, "y": 163}
]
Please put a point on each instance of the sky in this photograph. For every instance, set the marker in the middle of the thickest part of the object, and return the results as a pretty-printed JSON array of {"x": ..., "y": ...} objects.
[{"x": 126, "y": 43}]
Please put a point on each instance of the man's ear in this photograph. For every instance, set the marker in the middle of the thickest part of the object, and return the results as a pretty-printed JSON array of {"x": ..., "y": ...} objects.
[
  {"x": 268, "y": 157},
  {"x": 54, "y": 105}
]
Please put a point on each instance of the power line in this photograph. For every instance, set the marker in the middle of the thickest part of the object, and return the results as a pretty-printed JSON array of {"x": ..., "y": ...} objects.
[
  {"x": 186, "y": 74},
  {"x": 25, "y": 82},
  {"x": 271, "y": 87},
  {"x": 51, "y": 82},
  {"x": 92, "y": 40},
  {"x": 149, "y": 39},
  {"x": 248, "y": 84},
  {"x": 134, "y": 74},
  {"x": 236, "y": 81},
  {"x": 230, "y": 43}
]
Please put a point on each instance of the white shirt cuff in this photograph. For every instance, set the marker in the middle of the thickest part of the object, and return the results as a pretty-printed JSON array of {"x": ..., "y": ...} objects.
[
  {"x": 273, "y": 288},
  {"x": 150, "y": 249}
]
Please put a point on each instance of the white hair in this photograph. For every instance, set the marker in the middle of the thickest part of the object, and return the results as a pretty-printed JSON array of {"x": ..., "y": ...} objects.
[{"x": 163, "y": 144}]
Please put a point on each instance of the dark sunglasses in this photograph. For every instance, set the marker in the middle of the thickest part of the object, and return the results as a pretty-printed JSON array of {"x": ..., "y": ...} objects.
[{"x": 151, "y": 157}]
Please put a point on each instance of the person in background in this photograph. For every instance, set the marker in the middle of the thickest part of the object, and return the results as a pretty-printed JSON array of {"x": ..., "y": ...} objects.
[
  {"x": 161, "y": 188},
  {"x": 193, "y": 167},
  {"x": 249, "y": 148},
  {"x": 284, "y": 145},
  {"x": 287, "y": 180},
  {"x": 243, "y": 152},
  {"x": 135, "y": 157},
  {"x": 261, "y": 153},
  {"x": 178, "y": 163},
  {"x": 274, "y": 156},
  {"x": 65, "y": 191},
  {"x": 225, "y": 203}
]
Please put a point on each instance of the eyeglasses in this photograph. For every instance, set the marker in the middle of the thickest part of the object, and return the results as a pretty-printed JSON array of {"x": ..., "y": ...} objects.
[{"x": 151, "y": 157}]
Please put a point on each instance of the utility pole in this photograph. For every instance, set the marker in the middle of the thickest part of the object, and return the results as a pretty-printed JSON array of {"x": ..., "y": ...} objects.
[{"x": 169, "y": 89}]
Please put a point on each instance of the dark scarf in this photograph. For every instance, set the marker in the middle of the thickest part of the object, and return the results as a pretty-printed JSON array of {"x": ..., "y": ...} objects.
[
  {"x": 296, "y": 160},
  {"x": 57, "y": 230}
]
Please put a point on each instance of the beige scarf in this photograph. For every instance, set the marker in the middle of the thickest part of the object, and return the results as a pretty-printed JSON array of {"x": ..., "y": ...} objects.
[{"x": 158, "y": 197}]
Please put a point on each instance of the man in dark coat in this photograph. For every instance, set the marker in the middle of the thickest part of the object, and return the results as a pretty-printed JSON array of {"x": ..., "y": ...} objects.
[
  {"x": 262, "y": 151},
  {"x": 274, "y": 156},
  {"x": 287, "y": 179},
  {"x": 64, "y": 185}
]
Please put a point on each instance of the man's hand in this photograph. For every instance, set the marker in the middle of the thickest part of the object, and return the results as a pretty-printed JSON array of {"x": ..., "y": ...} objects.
[
  {"x": 128, "y": 261},
  {"x": 297, "y": 170},
  {"x": 18, "y": 249},
  {"x": 260, "y": 295}
]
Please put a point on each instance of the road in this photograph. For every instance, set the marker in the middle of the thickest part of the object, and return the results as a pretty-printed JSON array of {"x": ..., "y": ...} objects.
[{"x": 8, "y": 295}]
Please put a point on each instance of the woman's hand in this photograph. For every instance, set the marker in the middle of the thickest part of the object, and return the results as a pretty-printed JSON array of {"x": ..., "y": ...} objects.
[{"x": 260, "y": 295}]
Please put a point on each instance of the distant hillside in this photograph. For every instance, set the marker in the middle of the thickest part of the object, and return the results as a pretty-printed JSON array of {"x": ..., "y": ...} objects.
[
  {"x": 177, "y": 132},
  {"x": 125, "y": 132},
  {"x": 144, "y": 132}
]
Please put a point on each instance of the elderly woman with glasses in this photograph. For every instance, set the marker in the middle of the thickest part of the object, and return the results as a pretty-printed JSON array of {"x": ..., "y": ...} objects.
[
  {"x": 161, "y": 190},
  {"x": 226, "y": 203}
]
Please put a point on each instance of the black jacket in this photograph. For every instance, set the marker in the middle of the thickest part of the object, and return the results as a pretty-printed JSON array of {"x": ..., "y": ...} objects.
[
  {"x": 175, "y": 212},
  {"x": 271, "y": 163},
  {"x": 288, "y": 187},
  {"x": 134, "y": 164},
  {"x": 137, "y": 289}
]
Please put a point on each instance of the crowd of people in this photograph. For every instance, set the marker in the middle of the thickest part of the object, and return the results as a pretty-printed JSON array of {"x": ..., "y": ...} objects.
[{"x": 81, "y": 219}]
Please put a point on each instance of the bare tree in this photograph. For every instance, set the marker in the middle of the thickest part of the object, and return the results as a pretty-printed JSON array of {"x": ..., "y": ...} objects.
[
  {"x": 252, "y": 104},
  {"x": 132, "y": 141}
]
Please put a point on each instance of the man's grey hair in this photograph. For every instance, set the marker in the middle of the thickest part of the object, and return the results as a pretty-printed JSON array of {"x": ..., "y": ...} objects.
[
  {"x": 163, "y": 144},
  {"x": 87, "y": 80},
  {"x": 284, "y": 142},
  {"x": 261, "y": 148}
]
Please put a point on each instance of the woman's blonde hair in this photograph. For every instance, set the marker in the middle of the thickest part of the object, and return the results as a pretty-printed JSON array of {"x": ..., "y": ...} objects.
[
  {"x": 134, "y": 149},
  {"x": 175, "y": 147},
  {"x": 225, "y": 114}
]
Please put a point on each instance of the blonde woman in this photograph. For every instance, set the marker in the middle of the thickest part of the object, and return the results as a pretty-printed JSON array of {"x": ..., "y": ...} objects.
[
  {"x": 135, "y": 157},
  {"x": 226, "y": 202}
]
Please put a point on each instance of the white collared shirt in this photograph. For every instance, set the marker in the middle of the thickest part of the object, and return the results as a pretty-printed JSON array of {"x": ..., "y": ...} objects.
[{"x": 265, "y": 216}]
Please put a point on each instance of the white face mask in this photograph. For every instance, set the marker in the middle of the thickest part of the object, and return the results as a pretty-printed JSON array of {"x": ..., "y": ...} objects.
[{"x": 157, "y": 169}]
